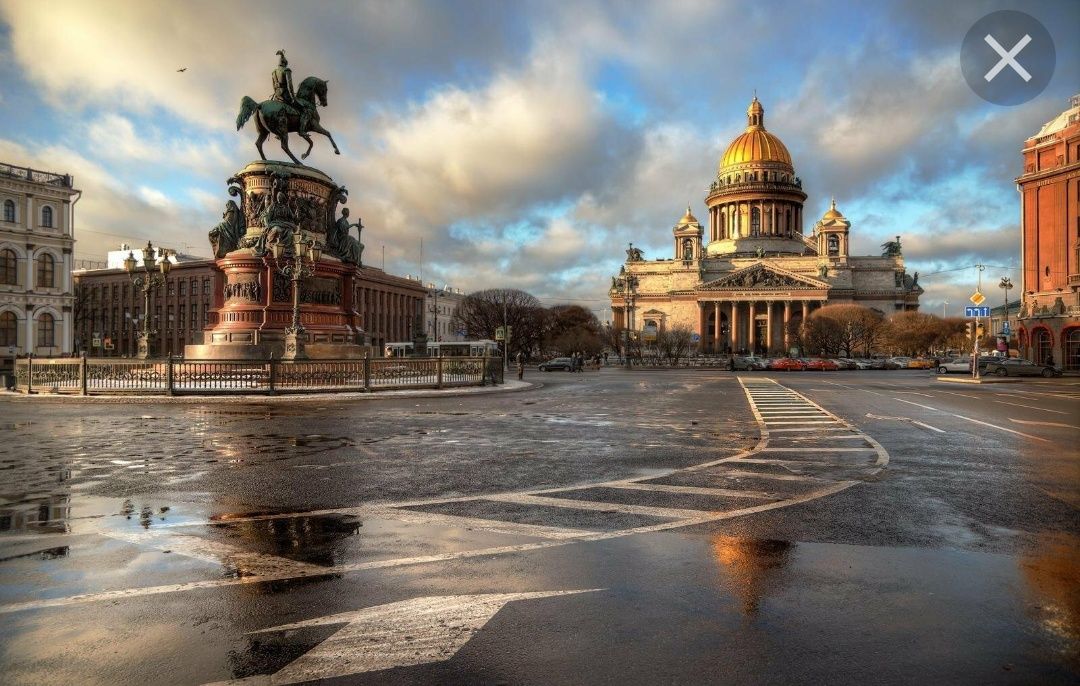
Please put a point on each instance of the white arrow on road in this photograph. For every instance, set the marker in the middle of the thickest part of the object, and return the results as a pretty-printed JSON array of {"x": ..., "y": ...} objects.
[{"x": 410, "y": 632}]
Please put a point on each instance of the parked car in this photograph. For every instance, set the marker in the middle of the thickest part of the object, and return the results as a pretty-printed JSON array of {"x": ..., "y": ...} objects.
[
  {"x": 787, "y": 364},
  {"x": 922, "y": 363},
  {"x": 956, "y": 364},
  {"x": 819, "y": 365},
  {"x": 897, "y": 363},
  {"x": 863, "y": 363},
  {"x": 747, "y": 363},
  {"x": 846, "y": 363},
  {"x": 1016, "y": 367},
  {"x": 563, "y": 363}
]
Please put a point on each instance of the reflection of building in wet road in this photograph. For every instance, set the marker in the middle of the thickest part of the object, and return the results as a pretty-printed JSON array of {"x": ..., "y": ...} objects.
[
  {"x": 47, "y": 515},
  {"x": 752, "y": 567}
]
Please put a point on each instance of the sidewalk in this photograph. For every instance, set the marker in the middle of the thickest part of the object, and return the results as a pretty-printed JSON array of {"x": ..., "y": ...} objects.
[{"x": 510, "y": 386}]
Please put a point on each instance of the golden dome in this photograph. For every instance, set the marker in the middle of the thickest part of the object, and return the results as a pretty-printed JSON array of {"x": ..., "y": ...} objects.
[
  {"x": 832, "y": 212},
  {"x": 755, "y": 144},
  {"x": 688, "y": 218}
]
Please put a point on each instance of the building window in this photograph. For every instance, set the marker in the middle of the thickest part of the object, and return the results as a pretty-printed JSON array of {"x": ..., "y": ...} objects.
[
  {"x": 1043, "y": 345},
  {"x": 9, "y": 210},
  {"x": 9, "y": 267},
  {"x": 46, "y": 330},
  {"x": 206, "y": 287},
  {"x": 47, "y": 217},
  {"x": 172, "y": 288},
  {"x": 755, "y": 221},
  {"x": 46, "y": 271},
  {"x": 1072, "y": 350},
  {"x": 183, "y": 288},
  {"x": 9, "y": 329}
]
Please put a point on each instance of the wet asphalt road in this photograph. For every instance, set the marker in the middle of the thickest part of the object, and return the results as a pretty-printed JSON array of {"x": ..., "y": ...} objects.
[{"x": 855, "y": 527}]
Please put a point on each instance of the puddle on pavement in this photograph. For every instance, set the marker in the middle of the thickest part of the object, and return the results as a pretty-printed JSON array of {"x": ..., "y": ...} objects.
[{"x": 337, "y": 539}]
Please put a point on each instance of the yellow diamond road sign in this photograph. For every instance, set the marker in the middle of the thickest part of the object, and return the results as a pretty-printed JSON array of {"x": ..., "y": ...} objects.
[{"x": 977, "y": 298}]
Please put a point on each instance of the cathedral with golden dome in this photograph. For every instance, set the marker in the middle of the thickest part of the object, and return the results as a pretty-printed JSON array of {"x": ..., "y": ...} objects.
[{"x": 742, "y": 279}]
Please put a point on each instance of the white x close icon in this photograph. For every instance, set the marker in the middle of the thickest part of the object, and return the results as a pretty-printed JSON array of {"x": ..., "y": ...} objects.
[{"x": 1008, "y": 58}]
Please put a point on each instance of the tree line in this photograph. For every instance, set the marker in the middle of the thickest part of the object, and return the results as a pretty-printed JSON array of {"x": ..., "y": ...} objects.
[{"x": 839, "y": 330}]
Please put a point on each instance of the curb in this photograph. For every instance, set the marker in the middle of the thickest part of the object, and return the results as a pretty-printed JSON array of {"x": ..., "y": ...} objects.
[
  {"x": 517, "y": 387},
  {"x": 980, "y": 380}
]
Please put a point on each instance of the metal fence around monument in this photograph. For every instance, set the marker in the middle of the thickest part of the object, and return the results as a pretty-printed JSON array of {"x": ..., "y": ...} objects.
[{"x": 88, "y": 376}]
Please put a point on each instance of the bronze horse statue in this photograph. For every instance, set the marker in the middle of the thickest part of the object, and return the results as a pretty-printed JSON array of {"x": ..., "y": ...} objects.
[{"x": 275, "y": 117}]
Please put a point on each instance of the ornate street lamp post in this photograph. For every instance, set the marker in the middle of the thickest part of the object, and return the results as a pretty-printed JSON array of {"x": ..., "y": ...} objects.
[
  {"x": 297, "y": 266},
  {"x": 1006, "y": 284},
  {"x": 147, "y": 281},
  {"x": 626, "y": 285}
]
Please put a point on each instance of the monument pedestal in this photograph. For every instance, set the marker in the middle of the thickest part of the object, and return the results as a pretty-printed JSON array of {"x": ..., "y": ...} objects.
[{"x": 255, "y": 305}]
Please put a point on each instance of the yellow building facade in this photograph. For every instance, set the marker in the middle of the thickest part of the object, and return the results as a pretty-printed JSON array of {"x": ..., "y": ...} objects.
[{"x": 742, "y": 280}]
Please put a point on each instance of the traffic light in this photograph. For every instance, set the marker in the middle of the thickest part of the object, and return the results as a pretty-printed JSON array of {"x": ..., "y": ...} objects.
[
  {"x": 980, "y": 330},
  {"x": 969, "y": 329}
]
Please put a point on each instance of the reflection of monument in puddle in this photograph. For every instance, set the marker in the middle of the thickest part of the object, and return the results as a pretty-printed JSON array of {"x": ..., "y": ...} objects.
[
  {"x": 43, "y": 515},
  {"x": 311, "y": 540},
  {"x": 751, "y": 566},
  {"x": 1053, "y": 575}
]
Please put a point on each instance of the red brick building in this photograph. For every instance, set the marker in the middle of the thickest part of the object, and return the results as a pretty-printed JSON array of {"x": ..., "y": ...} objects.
[
  {"x": 1049, "y": 322},
  {"x": 108, "y": 308}
]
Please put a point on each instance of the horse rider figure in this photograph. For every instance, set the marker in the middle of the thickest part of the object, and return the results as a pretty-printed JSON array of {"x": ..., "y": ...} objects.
[{"x": 281, "y": 78}]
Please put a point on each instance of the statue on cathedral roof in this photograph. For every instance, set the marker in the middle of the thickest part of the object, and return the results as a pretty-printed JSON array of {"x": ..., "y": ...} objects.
[{"x": 891, "y": 248}]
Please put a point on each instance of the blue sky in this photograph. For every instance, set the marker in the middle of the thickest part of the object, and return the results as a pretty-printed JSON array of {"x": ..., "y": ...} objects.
[{"x": 527, "y": 142}]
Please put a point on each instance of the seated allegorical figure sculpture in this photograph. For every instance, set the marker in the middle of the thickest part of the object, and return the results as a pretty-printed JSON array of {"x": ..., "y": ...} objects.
[
  {"x": 225, "y": 237},
  {"x": 340, "y": 244},
  {"x": 279, "y": 221}
]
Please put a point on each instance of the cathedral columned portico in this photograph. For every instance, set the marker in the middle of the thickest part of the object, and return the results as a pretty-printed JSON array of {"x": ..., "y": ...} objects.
[{"x": 747, "y": 279}]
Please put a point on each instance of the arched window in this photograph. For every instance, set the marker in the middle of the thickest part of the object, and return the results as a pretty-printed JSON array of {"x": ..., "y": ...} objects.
[
  {"x": 9, "y": 267},
  {"x": 1071, "y": 359},
  {"x": 46, "y": 217},
  {"x": 46, "y": 271},
  {"x": 755, "y": 221},
  {"x": 46, "y": 330},
  {"x": 1043, "y": 346},
  {"x": 723, "y": 225},
  {"x": 687, "y": 249},
  {"x": 834, "y": 245},
  {"x": 9, "y": 329},
  {"x": 9, "y": 210}
]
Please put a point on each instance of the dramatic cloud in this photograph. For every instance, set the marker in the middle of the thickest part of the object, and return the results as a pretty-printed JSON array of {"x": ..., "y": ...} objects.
[{"x": 526, "y": 143}]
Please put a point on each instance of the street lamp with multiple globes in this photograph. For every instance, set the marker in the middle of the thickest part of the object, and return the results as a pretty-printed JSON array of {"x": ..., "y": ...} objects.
[
  {"x": 147, "y": 281},
  {"x": 626, "y": 286},
  {"x": 1006, "y": 284},
  {"x": 297, "y": 266}
]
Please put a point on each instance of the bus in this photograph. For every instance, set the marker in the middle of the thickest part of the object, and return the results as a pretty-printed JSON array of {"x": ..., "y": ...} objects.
[{"x": 448, "y": 349}]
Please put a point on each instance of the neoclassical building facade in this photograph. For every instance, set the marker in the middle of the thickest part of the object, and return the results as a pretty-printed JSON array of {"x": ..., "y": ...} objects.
[
  {"x": 36, "y": 251},
  {"x": 742, "y": 278}
]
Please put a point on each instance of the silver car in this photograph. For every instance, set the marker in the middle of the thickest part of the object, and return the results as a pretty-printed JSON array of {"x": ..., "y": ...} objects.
[{"x": 957, "y": 364}]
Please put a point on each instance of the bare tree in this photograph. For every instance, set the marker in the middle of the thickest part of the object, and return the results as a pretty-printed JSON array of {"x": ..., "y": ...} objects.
[
  {"x": 572, "y": 328},
  {"x": 845, "y": 328},
  {"x": 674, "y": 343},
  {"x": 482, "y": 312}
]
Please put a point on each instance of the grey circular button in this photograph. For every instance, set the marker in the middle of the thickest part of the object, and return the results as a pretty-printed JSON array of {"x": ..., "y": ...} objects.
[{"x": 1007, "y": 57}]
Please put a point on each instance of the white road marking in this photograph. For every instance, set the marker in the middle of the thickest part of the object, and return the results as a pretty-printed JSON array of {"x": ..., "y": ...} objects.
[
  {"x": 926, "y": 395},
  {"x": 816, "y": 449},
  {"x": 907, "y": 419},
  {"x": 1031, "y": 407},
  {"x": 695, "y": 490},
  {"x": 597, "y": 506},
  {"x": 402, "y": 634},
  {"x": 976, "y": 421},
  {"x": 1025, "y": 421},
  {"x": 966, "y": 395}
]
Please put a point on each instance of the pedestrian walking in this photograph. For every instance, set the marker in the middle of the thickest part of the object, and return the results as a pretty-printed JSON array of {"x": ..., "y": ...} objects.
[{"x": 520, "y": 365}]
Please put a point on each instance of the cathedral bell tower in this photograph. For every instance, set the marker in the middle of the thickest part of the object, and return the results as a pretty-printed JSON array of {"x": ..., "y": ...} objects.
[
  {"x": 831, "y": 234},
  {"x": 688, "y": 233}
]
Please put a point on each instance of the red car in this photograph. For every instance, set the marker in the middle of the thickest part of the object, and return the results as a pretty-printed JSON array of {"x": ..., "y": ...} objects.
[
  {"x": 786, "y": 364},
  {"x": 816, "y": 365}
]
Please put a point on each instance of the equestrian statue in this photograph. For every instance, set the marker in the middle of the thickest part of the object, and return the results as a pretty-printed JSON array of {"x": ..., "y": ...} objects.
[{"x": 287, "y": 111}]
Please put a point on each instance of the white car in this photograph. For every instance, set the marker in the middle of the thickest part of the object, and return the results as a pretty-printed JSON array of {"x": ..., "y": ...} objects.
[{"x": 957, "y": 364}]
